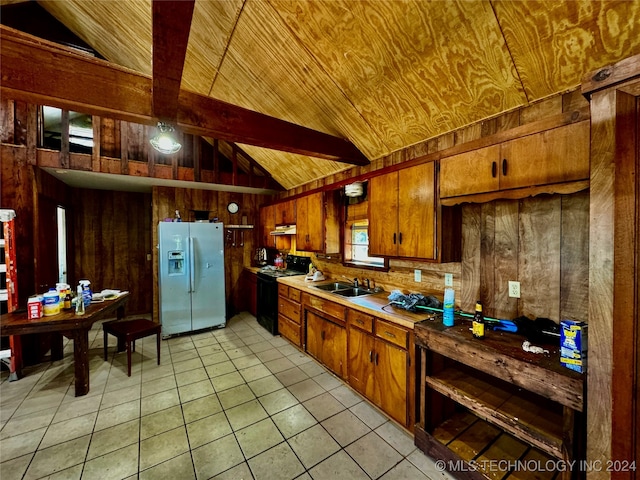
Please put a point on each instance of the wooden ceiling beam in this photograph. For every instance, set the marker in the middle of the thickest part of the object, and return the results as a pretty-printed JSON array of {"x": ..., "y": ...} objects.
[
  {"x": 171, "y": 26},
  {"x": 44, "y": 73}
]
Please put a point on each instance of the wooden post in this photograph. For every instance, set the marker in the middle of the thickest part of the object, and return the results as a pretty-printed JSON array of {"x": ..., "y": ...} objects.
[{"x": 64, "y": 139}]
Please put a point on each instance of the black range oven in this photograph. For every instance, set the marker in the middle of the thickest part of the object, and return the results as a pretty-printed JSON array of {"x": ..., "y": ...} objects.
[{"x": 267, "y": 302}]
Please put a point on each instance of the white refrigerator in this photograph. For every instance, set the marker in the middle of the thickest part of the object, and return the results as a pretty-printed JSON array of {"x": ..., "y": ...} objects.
[{"x": 191, "y": 276}]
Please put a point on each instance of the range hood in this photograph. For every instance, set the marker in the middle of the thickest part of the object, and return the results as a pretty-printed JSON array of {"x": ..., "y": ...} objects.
[{"x": 284, "y": 230}]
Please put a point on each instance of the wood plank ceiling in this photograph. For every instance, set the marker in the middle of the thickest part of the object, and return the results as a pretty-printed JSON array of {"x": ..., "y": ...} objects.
[{"x": 382, "y": 74}]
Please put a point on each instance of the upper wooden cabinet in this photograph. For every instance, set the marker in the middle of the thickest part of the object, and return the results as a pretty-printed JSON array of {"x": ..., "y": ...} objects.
[
  {"x": 286, "y": 213},
  {"x": 556, "y": 156},
  {"x": 310, "y": 223},
  {"x": 402, "y": 216},
  {"x": 267, "y": 225}
]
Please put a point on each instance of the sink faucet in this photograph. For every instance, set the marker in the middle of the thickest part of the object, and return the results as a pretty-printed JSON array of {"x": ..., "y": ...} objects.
[
  {"x": 368, "y": 283},
  {"x": 354, "y": 282}
]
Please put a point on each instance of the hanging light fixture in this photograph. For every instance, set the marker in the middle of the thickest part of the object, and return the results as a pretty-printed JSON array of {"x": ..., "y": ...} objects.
[{"x": 164, "y": 141}]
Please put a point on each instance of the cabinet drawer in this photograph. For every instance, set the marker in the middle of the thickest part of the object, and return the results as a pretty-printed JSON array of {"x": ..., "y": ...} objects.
[
  {"x": 392, "y": 333},
  {"x": 290, "y": 330},
  {"x": 294, "y": 294},
  {"x": 335, "y": 310},
  {"x": 360, "y": 320},
  {"x": 283, "y": 290},
  {"x": 289, "y": 309}
]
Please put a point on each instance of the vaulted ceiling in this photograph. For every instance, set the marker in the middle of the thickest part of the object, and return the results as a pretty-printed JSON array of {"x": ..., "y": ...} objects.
[{"x": 384, "y": 74}]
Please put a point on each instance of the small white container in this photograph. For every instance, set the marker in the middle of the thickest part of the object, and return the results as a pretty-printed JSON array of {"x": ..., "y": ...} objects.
[{"x": 51, "y": 303}]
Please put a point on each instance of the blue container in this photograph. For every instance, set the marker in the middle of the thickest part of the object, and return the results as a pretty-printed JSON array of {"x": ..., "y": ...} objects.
[{"x": 449, "y": 300}]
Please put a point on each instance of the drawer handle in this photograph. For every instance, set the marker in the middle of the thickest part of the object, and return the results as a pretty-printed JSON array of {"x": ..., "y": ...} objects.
[
  {"x": 400, "y": 238},
  {"x": 494, "y": 169},
  {"x": 390, "y": 335},
  {"x": 377, "y": 356},
  {"x": 370, "y": 356},
  {"x": 504, "y": 166},
  {"x": 394, "y": 238}
]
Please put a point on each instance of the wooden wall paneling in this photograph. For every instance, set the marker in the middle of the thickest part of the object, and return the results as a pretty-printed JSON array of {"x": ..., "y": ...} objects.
[
  {"x": 574, "y": 257},
  {"x": 7, "y": 120},
  {"x": 487, "y": 258},
  {"x": 539, "y": 258},
  {"x": 541, "y": 110},
  {"x": 32, "y": 133},
  {"x": 109, "y": 137},
  {"x": 112, "y": 236},
  {"x": 64, "y": 139},
  {"x": 96, "y": 151},
  {"x": 507, "y": 121},
  {"x": 506, "y": 244},
  {"x": 124, "y": 147},
  {"x": 471, "y": 255},
  {"x": 20, "y": 123}
]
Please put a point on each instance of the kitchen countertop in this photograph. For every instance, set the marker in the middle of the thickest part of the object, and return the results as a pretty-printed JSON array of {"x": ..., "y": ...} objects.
[{"x": 371, "y": 304}]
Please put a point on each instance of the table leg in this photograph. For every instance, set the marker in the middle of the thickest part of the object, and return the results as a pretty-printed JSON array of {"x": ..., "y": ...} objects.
[
  {"x": 15, "y": 343},
  {"x": 81, "y": 361},
  {"x": 57, "y": 349}
]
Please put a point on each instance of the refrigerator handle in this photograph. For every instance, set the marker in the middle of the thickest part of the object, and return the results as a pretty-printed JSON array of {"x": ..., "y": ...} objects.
[{"x": 192, "y": 266}]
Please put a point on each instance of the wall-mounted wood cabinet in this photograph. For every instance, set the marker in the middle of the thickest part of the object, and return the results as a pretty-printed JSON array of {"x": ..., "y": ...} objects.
[
  {"x": 405, "y": 219},
  {"x": 267, "y": 225},
  {"x": 554, "y": 156},
  {"x": 286, "y": 212},
  {"x": 310, "y": 223}
]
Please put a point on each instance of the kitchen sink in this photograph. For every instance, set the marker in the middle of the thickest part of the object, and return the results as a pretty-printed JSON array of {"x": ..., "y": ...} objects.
[
  {"x": 331, "y": 287},
  {"x": 343, "y": 289},
  {"x": 352, "y": 292}
]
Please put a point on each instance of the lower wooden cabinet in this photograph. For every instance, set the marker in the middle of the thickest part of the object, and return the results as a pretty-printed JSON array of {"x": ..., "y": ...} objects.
[
  {"x": 378, "y": 369},
  {"x": 327, "y": 343},
  {"x": 289, "y": 317}
]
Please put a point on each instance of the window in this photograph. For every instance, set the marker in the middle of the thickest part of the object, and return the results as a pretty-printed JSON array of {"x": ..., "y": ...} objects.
[{"x": 356, "y": 235}]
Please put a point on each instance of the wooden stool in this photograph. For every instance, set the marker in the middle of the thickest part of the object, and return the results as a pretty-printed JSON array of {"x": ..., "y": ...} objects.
[{"x": 127, "y": 332}]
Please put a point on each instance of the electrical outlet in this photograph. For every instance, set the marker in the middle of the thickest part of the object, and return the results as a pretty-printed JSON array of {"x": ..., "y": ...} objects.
[
  {"x": 417, "y": 275},
  {"x": 448, "y": 279},
  {"x": 514, "y": 289}
]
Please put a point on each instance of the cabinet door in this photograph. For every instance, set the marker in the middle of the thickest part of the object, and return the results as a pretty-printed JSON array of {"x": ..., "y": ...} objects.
[
  {"x": 361, "y": 372},
  {"x": 383, "y": 215},
  {"x": 314, "y": 335},
  {"x": 286, "y": 213},
  {"x": 554, "y": 156},
  {"x": 334, "y": 348},
  {"x": 470, "y": 172},
  {"x": 391, "y": 380},
  {"x": 416, "y": 211},
  {"x": 327, "y": 342},
  {"x": 267, "y": 225},
  {"x": 310, "y": 223}
]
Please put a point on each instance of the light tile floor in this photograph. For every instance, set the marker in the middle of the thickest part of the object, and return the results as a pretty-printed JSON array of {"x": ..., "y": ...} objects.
[{"x": 234, "y": 403}]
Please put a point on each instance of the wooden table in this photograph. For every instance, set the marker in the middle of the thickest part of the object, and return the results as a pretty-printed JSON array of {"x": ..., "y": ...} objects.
[
  {"x": 72, "y": 326},
  {"x": 504, "y": 398}
]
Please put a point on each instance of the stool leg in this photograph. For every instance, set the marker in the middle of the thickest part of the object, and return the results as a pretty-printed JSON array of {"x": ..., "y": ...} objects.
[
  {"x": 158, "y": 346},
  {"x": 129, "y": 357},
  {"x": 106, "y": 340}
]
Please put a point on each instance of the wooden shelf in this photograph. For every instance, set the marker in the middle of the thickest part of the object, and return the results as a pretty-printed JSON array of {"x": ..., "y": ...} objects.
[
  {"x": 489, "y": 449},
  {"x": 529, "y": 417},
  {"x": 238, "y": 227}
]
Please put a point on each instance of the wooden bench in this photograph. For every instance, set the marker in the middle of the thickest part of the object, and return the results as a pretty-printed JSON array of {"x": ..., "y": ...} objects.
[{"x": 127, "y": 332}]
